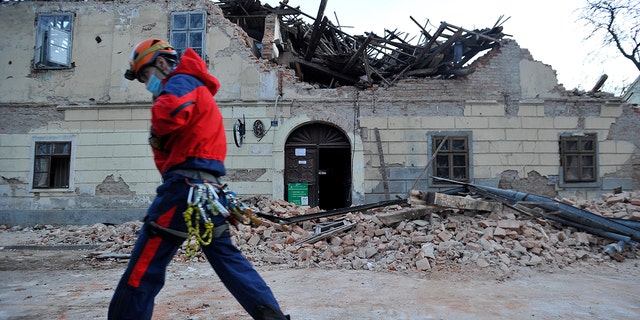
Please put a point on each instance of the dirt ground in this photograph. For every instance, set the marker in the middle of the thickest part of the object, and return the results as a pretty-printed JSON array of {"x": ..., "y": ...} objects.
[{"x": 65, "y": 283}]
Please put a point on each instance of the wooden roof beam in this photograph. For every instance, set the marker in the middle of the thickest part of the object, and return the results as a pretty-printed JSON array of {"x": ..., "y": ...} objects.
[
  {"x": 326, "y": 70},
  {"x": 358, "y": 53},
  {"x": 316, "y": 35}
]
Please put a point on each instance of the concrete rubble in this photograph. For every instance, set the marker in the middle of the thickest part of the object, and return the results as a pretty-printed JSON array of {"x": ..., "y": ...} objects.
[{"x": 498, "y": 241}]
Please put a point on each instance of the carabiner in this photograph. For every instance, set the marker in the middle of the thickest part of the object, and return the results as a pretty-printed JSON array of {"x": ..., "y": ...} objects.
[{"x": 190, "y": 197}]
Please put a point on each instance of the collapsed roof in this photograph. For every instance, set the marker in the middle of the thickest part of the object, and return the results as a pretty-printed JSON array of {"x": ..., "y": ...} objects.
[{"x": 321, "y": 52}]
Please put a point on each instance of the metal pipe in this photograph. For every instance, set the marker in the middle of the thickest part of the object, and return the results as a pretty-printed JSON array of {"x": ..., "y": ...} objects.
[
  {"x": 331, "y": 213},
  {"x": 275, "y": 108},
  {"x": 568, "y": 212},
  {"x": 560, "y": 209},
  {"x": 598, "y": 232},
  {"x": 629, "y": 223}
]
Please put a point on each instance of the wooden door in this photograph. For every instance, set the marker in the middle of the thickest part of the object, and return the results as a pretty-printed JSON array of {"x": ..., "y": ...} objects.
[{"x": 302, "y": 160}]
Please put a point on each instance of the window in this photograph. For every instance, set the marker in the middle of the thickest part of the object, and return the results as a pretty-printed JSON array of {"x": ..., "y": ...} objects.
[
  {"x": 578, "y": 157},
  {"x": 53, "y": 41},
  {"x": 188, "y": 31},
  {"x": 452, "y": 160},
  {"x": 52, "y": 164}
]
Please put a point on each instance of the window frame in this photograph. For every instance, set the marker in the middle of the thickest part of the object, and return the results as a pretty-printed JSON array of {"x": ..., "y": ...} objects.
[
  {"x": 44, "y": 55},
  {"x": 580, "y": 153},
  {"x": 188, "y": 32},
  {"x": 71, "y": 163},
  {"x": 433, "y": 139}
]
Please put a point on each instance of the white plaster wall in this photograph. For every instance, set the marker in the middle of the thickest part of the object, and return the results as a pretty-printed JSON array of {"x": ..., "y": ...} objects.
[
  {"x": 536, "y": 79},
  {"x": 525, "y": 143}
]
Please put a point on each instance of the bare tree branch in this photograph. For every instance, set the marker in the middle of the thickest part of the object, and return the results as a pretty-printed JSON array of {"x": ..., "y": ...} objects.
[{"x": 616, "y": 22}]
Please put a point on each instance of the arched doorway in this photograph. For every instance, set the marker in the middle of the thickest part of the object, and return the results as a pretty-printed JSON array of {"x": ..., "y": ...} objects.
[{"x": 318, "y": 158}]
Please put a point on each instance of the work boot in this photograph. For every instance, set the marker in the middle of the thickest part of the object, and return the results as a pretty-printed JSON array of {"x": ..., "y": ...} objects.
[{"x": 267, "y": 312}]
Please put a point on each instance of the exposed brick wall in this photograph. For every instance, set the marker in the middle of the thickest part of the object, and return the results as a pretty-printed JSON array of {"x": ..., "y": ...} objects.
[
  {"x": 24, "y": 118},
  {"x": 268, "y": 37}
]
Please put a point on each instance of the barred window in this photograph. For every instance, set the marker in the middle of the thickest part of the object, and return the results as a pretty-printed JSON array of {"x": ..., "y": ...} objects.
[
  {"x": 52, "y": 164},
  {"x": 579, "y": 157}
]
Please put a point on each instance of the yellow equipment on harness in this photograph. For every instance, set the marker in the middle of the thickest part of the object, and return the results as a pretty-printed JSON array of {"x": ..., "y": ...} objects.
[{"x": 202, "y": 205}]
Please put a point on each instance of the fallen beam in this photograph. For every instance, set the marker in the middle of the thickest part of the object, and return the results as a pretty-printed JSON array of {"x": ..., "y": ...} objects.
[
  {"x": 391, "y": 218},
  {"x": 326, "y": 234},
  {"x": 331, "y": 213},
  {"x": 464, "y": 203}
]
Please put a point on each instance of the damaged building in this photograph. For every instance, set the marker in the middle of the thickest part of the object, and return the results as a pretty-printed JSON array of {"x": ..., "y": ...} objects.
[{"x": 313, "y": 115}]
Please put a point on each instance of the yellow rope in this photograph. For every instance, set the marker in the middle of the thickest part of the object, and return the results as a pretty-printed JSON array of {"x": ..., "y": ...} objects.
[
  {"x": 201, "y": 207},
  {"x": 195, "y": 239}
]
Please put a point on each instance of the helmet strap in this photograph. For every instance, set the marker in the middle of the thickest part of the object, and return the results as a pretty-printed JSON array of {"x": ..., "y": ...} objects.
[{"x": 164, "y": 73}]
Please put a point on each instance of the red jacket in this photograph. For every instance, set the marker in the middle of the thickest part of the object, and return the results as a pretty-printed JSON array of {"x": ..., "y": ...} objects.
[{"x": 186, "y": 121}]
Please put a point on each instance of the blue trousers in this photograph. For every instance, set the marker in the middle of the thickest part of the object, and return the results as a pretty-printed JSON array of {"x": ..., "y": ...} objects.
[{"x": 145, "y": 273}]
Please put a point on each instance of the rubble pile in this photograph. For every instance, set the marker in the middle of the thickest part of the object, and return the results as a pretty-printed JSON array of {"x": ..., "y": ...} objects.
[
  {"x": 101, "y": 237},
  {"x": 500, "y": 240}
]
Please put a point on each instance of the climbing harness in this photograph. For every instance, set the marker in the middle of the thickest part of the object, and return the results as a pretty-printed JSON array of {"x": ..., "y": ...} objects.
[
  {"x": 203, "y": 203},
  {"x": 173, "y": 236}
]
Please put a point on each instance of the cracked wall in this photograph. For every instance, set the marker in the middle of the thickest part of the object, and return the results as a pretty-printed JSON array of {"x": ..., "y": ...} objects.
[
  {"x": 512, "y": 105},
  {"x": 114, "y": 188}
]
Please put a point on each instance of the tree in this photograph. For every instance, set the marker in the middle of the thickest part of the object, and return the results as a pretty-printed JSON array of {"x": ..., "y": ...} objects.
[{"x": 615, "y": 22}]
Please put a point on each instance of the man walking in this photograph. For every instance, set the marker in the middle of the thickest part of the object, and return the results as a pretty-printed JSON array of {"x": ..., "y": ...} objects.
[{"x": 189, "y": 147}]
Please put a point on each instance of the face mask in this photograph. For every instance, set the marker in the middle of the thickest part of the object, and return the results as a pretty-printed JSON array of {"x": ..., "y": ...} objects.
[{"x": 154, "y": 85}]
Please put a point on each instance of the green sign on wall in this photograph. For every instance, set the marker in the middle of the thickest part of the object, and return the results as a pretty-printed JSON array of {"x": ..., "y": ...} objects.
[{"x": 298, "y": 193}]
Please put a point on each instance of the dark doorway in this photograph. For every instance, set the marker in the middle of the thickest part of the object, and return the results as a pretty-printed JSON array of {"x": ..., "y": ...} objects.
[
  {"x": 318, "y": 157},
  {"x": 334, "y": 178}
]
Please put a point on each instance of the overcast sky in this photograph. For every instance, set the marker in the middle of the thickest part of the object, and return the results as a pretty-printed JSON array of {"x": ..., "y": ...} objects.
[{"x": 549, "y": 29}]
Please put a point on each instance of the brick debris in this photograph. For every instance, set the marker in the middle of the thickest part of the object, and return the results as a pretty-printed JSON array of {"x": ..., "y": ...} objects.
[{"x": 500, "y": 241}]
